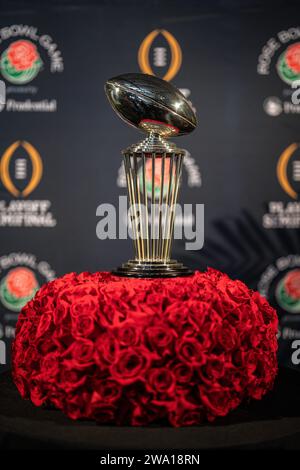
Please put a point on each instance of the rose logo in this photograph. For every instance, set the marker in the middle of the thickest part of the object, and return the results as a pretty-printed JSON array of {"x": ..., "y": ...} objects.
[
  {"x": 20, "y": 62},
  {"x": 157, "y": 177},
  {"x": 288, "y": 291},
  {"x": 17, "y": 288},
  {"x": 288, "y": 65}
]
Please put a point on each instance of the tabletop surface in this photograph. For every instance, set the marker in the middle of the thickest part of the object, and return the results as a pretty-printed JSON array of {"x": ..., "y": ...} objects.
[{"x": 273, "y": 422}]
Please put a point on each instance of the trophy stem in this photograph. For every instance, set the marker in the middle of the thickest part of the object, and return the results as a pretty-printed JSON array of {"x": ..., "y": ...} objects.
[{"x": 153, "y": 173}]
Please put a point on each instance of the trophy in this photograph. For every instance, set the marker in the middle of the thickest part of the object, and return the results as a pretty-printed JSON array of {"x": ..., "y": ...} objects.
[{"x": 153, "y": 168}]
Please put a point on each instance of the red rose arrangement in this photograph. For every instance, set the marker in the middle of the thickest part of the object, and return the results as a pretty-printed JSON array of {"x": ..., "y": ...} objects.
[{"x": 130, "y": 351}]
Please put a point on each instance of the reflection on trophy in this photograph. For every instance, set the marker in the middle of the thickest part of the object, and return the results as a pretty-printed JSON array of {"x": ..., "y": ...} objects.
[{"x": 153, "y": 168}]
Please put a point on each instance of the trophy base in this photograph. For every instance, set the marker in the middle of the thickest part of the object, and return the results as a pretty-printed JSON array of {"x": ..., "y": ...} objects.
[{"x": 152, "y": 269}]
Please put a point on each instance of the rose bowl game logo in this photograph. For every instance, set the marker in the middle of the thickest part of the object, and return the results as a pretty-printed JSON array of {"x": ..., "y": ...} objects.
[
  {"x": 280, "y": 58},
  {"x": 280, "y": 284},
  {"x": 24, "y": 53},
  {"x": 17, "y": 288},
  {"x": 21, "y": 275},
  {"x": 190, "y": 165},
  {"x": 153, "y": 182},
  {"x": 20, "y": 62},
  {"x": 288, "y": 65},
  {"x": 288, "y": 291}
]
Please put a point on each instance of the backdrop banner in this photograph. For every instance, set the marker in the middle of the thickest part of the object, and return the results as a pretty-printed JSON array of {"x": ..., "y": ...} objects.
[{"x": 60, "y": 147}]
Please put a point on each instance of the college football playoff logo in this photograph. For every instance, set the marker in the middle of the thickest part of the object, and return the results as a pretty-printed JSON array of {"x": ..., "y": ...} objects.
[
  {"x": 160, "y": 54},
  {"x": 20, "y": 168},
  {"x": 288, "y": 170}
]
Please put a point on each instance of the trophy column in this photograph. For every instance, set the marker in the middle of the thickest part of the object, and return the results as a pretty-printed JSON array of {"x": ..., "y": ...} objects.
[
  {"x": 153, "y": 173},
  {"x": 152, "y": 167}
]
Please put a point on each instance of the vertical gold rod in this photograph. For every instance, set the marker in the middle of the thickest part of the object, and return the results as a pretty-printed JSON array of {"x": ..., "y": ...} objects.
[
  {"x": 153, "y": 208},
  {"x": 146, "y": 205},
  {"x": 161, "y": 195},
  {"x": 129, "y": 186},
  {"x": 177, "y": 181},
  {"x": 168, "y": 241},
  {"x": 134, "y": 209},
  {"x": 167, "y": 215},
  {"x": 138, "y": 192}
]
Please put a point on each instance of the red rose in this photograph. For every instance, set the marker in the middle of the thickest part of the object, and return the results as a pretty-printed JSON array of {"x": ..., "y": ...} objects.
[
  {"x": 45, "y": 303},
  {"x": 82, "y": 326},
  {"x": 161, "y": 380},
  {"x": 145, "y": 303},
  {"x": 155, "y": 300},
  {"x": 107, "y": 390},
  {"x": 61, "y": 311},
  {"x": 76, "y": 405},
  {"x": 268, "y": 313},
  {"x": 82, "y": 353},
  {"x": 31, "y": 358},
  {"x": 200, "y": 315},
  {"x": 44, "y": 325},
  {"x": 183, "y": 412},
  {"x": 45, "y": 346},
  {"x": 177, "y": 314},
  {"x": 113, "y": 312},
  {"x": 160, "y": 338},
  {"x": 84, "y": 276},
  {"x": 271, "y": 338},
  {"x": 50, "y": 366},
  {"x": 23, "y": 326},
  {"x": 106, "y": 349},
  {"x": 188, "y": 418},
  {"x": 237, "y": 291},
  {"x": 213, "y": 369},
  {"x": 21, "y": 383},
  {"x": 62, "y": 335},
  {"x": 183, "y": 373},
  {"x": 225, "y": 337},
  {"x": 128, "y": 335},
  {"x": 57, "y": 397},
  {"x": 22, "y": 54},
  {"x": 85, "y": 305},
  {"x": 37, "y": 395},
  {"x": 190, "y": 352},
  {"x": 130, "y": 366},
  {"x": 218, "y": 400},
  {"x": 71, "y": 379},
  {"x": 102, "y": 413},
  {"x": 233, "y": 378},
  {"x": 143, "y": 414}
]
